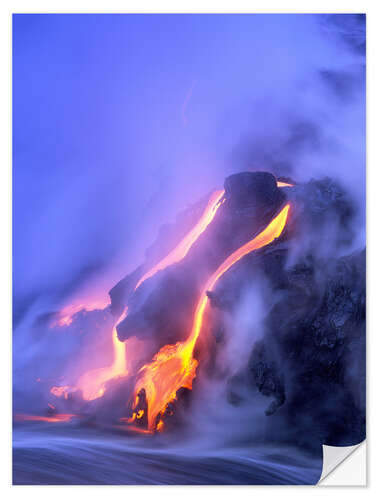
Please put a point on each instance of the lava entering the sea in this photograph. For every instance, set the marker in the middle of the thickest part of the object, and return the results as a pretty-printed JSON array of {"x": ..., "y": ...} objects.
[
  {"x": 57, "y": 417},
  {"x": 174, "y": 366},
  {"x": 93, "y": 383}
]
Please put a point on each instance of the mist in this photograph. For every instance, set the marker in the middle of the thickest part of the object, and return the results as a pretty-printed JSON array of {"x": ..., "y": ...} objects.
[{"x": 121, "y": 121}]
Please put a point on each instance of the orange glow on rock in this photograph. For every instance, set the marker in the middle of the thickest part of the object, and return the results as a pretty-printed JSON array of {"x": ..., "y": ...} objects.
[
  {"x": 174, "y": 366},
  {"x": 133, "y": 428},
  {"x": 160, "y": 425},
  {"x": 61, "y": 391},
  {"x": 59, "y": 417},
  {"x": 281, "y": 184},
  {"x": 93, "y": 383},
  {"x": 66, "y": 315}
]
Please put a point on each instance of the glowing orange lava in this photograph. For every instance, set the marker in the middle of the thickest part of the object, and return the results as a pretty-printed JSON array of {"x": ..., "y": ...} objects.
[
  {"x": 66, "y": 315},
  {"x": 173, "y": 366},
  {"x": 93, "y": 383},
  {"x": 61, "y": 390},
  {"x": 281, "y": 184},
  {"x": 59, "y": 417},
  {"x": 137, "y": 430},
  {"x": 178, "y": 253}
]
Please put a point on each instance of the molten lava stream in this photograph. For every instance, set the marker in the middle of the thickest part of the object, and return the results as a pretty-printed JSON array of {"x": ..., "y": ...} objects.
[
  {"x": 92, "y": 383},
  {"x": 173, "y": 366},
  {"x": 66, "y": 315},
  {"x": 181, "y": 250},
  {"x": 58, "y": 417},
  {"x": 281, "y": 184}
]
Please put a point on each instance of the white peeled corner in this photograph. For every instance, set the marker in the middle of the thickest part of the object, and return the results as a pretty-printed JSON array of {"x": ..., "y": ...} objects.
[{"x": 344, "y": 465}]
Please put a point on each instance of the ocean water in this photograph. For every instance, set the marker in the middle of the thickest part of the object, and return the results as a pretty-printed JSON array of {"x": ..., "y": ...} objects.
[{"x": 67, "y": 453}]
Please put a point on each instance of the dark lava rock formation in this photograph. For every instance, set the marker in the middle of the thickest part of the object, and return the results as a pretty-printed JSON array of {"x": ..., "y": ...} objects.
[
  {"x": 310, "y": 361},
  {"x": 176, "y": 289},
  {"x": 252, "y": 190}
]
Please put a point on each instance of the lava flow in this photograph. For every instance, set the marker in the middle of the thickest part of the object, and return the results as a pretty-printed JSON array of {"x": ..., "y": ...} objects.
[
  {"x": 58, "y": 417},
  {"x": 181, "y": 250},
  {"x": 66, "y": 315},
  {"x": 174, "y": 366},
  {"x": 93, "y": 383},
  {"x": 281, "y": 184}
]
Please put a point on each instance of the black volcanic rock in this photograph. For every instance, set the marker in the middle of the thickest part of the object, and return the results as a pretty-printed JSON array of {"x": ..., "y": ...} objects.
[
  {"x": 311, "y": 359},
  {"x": 120, "y": 293},
  {"x": 252, "y": 200},
  {"x": 162, "y": 308},
  {"x": 327, "y": 211},
  {"x": 314, "y": 351},
  {"x": 267, "y": 378},
  {"x": 249, "y": 189}
]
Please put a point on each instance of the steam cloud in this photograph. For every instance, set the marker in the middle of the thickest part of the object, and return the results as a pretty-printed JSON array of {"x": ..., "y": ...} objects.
[{"x": 102, "y": 156}]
